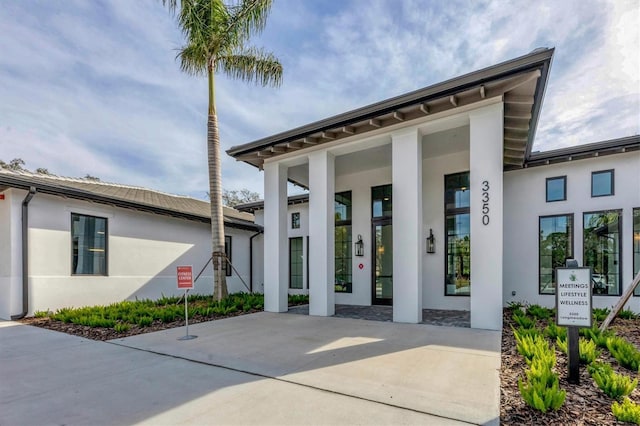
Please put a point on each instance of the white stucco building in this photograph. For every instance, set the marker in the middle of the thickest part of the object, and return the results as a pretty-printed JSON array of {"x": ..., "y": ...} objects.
[
  {"x": 88, "y": 243},
  {"x": 452, "y": 208}
]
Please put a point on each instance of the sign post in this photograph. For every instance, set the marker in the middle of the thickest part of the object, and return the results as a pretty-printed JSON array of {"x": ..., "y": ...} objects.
[
  {"x": 185, "y": 282},
  {"x": 573, "y": 310}
]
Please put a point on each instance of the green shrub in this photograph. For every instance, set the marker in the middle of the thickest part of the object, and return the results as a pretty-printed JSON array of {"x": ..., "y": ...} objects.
[
  {"x": 554, "y": 332},
  {"x": 628, "y": 411},
  {"x": 600, "y": 314},
  {"x": 587, "y": 349},
  {"x": 611, "y": 383},
  {"x": 626, "y": 314},
  {"x": 223, "y": 310},
  {"x": 512, "y": 306},
  {"x": 541, "y": 390},
  {"x": 598, "y": 337},
  {"x": 532, "y": 346},
  {"x": 41, "y": 314},
  {"x": 121, "y": 327},
  {"x": 524, "y": 321},
  {"x": 532, "y": 332},
  {"x": 624, "y": 352},
  {"x": 145, "y": 321},
  {"x": 539, "y": 312},
  {"x": 298, "y": 299}
]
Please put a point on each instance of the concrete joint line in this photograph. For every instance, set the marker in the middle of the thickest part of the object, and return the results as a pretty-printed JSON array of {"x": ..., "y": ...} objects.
[{"x": 251, "y": 373}]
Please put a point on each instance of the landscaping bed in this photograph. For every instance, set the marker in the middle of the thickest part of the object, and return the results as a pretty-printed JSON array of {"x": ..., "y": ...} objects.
[
  {"x": 584, "y": 404},
  {"x": 145, "y": 316}
]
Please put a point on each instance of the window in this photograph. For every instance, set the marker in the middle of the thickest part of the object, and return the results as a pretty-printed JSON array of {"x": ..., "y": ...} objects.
[
  {"x": 295, "y": 262},
  {"x": 381, "y": 201},
  {"x": 556, "y": 189},
  {"x": 636, "y": 246},
  {"x": 295, "y": 220},
  {"x": 342, "y": 242},
  {"x": 227, "y": 252},
  {"x": 603, "y": 250},
  {"x": 602, "y": 183},
  {"x": 554, "y": 248},
  {"x": 88, "y": 245},
  {"x": 457, "y": 234}
]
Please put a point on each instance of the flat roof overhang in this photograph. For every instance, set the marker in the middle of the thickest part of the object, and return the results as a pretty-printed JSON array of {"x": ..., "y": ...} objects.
[{"x": 521, "y": 83}]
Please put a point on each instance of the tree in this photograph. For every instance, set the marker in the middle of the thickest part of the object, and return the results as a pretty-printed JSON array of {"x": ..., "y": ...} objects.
[
  {"x": 42, "y": 171},
  {"x": 235, "y": 197},
  {"x": 15, "y": 164},
  {"x": 90, "y": 177},
  {"x": 216, "y": 36}
]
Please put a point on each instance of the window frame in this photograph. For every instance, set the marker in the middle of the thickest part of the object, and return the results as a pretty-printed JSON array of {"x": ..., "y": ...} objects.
[
  {"x": 573, "y": 247},
  {"x": 613, "y": 182},
  {"x": 295, "y": 220},
  {"x": 564, "y": 190},
  {"x": 620, "y": 248},
  {"x": 291, "y": 264},
  {"x": 229, "y": 253},
  {"x": 345, "y": 223},
  {"x": 106, "y": 246},
  {"x": 455, "y": 211},
  {"x": 636, "y": 267}
]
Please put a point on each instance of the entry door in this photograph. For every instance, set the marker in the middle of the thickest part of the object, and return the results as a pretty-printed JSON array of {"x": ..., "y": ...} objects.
[{"x": 382, "y": 235}]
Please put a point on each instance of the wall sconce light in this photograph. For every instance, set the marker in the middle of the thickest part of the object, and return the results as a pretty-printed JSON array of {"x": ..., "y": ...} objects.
[
  {"x": 359, "y": 246},
  {"x": 431, "y": 242}
]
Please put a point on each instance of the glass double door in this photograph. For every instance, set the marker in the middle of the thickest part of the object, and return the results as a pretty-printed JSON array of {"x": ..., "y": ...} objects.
[{"x": 382, "y": 289}]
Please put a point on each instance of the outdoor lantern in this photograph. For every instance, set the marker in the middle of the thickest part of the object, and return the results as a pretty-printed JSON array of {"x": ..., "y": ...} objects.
[
  {"x": 431, "y": 242},
  {"x": 359, "y": 246}
]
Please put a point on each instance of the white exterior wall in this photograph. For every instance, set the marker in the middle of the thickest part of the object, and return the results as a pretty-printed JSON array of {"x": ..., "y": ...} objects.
[
  {"x": 10, "y": 254},
  {"x": 143, "y": 252},
  {"x": 525, "y": 202}
]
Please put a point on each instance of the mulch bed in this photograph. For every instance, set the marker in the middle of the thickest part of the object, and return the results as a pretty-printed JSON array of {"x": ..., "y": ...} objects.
[{"x": 585, "y": 403}]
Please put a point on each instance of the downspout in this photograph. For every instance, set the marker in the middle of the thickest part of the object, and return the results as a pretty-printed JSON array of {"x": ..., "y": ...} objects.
[
  {"x": 251, "y": 260},
  {"x": 25, "y": 254}
]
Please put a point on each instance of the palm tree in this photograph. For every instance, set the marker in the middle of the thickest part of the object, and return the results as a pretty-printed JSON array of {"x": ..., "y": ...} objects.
[{"x": 216, "y": 36}]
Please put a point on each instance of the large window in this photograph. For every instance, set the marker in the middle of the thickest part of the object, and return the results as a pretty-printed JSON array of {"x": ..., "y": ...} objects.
[
  {"x": 295, "y": 262},
  {"x": 458, "y": 236},
  {"x": 295, "y": 220},
  {"x": 636, "y": 246},
  {"x": 343, "y": 242},
  {"x": 603, "y": 250},
  {"x": 556, "y": 189},
  {"x": 88, "y": 245},
  {"x": 381, "y": 203},
  {"x": 555, "y": 247},
  {"x": 227, "y": 252},
  {"x": 602, "y": 183}
]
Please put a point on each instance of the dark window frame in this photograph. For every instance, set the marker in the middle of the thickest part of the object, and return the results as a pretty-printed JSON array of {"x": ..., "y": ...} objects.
[
  {"x": 346, "y": 223},
  {"x": 573, "y": 246},
  {"x": 455, "y": 212},
  {"x": 106, "y": 245},
  {"x": 291, "y": 264},
  {"x": 620, "y": 247},
  {"x": 613, "y": 182},
  {"x": 295, "y": 220},
  {"x": 636, "y": 267},
  {"x": 373, "y": 188},
  {"x": 564, "y": 190},
  {"x": 228, "y": 252}
]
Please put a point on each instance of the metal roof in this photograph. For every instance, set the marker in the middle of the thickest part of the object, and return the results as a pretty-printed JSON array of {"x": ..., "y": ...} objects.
[
  {"x": 129, "y": 197},
  {"x": 521, "y": 82}
]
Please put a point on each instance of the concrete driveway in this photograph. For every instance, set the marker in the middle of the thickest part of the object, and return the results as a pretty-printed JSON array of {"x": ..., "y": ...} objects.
[{"x": 254, "y": 369}]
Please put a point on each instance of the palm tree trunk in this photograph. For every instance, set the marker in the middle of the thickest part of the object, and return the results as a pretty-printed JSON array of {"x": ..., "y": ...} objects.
[{"x": 215, "y": 189}]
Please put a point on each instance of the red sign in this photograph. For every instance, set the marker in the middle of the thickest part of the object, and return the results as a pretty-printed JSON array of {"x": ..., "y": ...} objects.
[
  {"x": 361, "y": 266},
  {"x": 1, "y": 196},
  {"x": 185, "y": 277}
]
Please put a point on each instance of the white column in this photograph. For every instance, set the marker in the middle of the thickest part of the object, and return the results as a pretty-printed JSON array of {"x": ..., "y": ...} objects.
[
  {"x": 486, "y": 158},
  {"x": 276, "y": 255},
  {"x": 406, "y": 164},
  {"x": 321, "y": 234}
]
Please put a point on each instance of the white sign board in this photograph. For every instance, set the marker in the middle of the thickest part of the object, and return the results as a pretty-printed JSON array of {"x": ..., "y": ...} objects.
[{"x": 573, "y": 297}]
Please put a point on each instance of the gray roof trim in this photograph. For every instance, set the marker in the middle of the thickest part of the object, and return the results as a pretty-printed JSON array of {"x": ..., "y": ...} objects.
[
  {"x": 259, "y": 205},
  {"x": 580, "y": 152},
  {"x": 23, "y": 182},
  {"x": 536, "y": 59}
]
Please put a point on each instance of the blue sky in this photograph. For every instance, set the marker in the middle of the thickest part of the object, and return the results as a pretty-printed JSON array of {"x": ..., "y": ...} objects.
[{"x": 94, "y": 87}]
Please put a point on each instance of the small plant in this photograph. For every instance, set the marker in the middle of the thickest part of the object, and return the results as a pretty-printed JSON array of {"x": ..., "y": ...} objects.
[
  {"x": 513, "y": 306},
  {"x": 524, "y": 321},
  {"x": 626, "y": 314},
  {"x": 298, "y": 299},
  {"x": 587, "y": 349},
  {"x": 145, "y": 321},
  {"x": 541, "y": 390},
  {"x": 539, "y": 312},
  {"x": 611, "y": 383},
  {"x": 121, "y": 327},
  {"x": 532, "y": 346},
  {"x": 600, "y": 314},
  {"x": 628, "y": 411},
  {"x": 41, "y": 314},
  {"x": 532, "y": 332},
  {"x": 624, "y": 352},
  {"x": 597, "y": 336},
  {"x": 554, "y": 332}
]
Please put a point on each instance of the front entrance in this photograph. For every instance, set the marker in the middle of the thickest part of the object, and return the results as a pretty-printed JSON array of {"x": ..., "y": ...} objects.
[{"x": 382, "y": 235}]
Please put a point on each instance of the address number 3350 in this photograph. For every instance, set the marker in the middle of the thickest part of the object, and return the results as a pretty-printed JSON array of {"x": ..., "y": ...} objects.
[{"x": 485, "y": 202}]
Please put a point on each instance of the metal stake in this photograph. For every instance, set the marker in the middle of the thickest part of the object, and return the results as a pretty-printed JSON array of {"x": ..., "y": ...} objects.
[{"x": 187, "y": 336}]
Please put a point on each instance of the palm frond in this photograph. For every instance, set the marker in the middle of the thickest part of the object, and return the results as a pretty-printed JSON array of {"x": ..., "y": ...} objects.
[
  {"x": 252, "y": 65},
  {"x": 172, "y": 5},
  {"x": 246, "y": 19},
  {"x": 193, "y": 59}
]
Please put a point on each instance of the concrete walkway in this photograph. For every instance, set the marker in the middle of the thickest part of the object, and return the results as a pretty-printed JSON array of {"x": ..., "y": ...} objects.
[{"x": 255, "y": 369}]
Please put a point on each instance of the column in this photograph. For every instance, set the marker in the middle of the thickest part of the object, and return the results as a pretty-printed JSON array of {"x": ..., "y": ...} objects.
[
  {"x": 486, "y": 172},
  {"x": 276, "y": 254},
  {"x": 406, "y": 164},
  {"x": 321, "y": 234}
]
